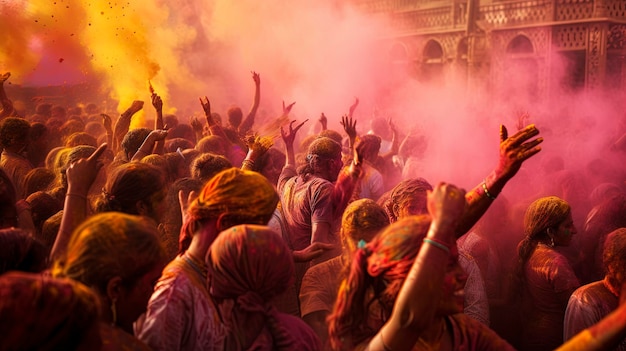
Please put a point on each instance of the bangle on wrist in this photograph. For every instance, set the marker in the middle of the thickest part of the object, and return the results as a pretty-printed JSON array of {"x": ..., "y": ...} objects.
[
  {"x": 437, "y": 244},
  {"x": 76, "y": 195},
  {"x": 486, "y": 191}
]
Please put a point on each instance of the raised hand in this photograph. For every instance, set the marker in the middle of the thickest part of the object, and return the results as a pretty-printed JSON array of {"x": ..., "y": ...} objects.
[
  {"x": 349, "y": 126},
  {"x": 206, "y": 106},
  {"x": 287, "y": 109},
  {"x": 4, "y": 77},
  {"x": 446, "y": 204},
  {"x": 289, "y": 138},
  {"x": 516, "y": 149},
  {"x": 184, "y": 199},
  {"x": 256, "y": 78},
  {"x": 157, "y": 135},
  {"x": 258, "y": 145},
  {"x": 107, "y": 123},
  {"x": 82, "y": 173},
  {"x": 323, "y": 121},
  {"x": 136, "y": 106},
  {"x": 196, "y": 125},
  {"x": 157, "y": 102}
]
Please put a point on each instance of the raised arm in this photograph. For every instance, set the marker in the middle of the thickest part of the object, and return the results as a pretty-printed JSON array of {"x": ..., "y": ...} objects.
[
  {"x": 158, "y": 121},
  {"x": 324, "y": 121},
  {"x": 80, "y": 176},
  {"x": 214, "y": 128},
  {"x": 247, "y": 123},
  {"x": 347, "y": 180},
  {"x": 108, "y": 127},
  {"x": 353, "y": 107},
  {"x": 395, "y": 142},
  {"x": 349, "y": 126},
  {"x": 288, "y": 139},
  {"x": 148, "y": 145},
  {"x": 123, "y": 123},
  {"x": 513, "y": 152},
  {"x": 7, "y": 104},
  {"x": 198, "y": 128},
  {"x": 257, "y": 147},
  {"x": 419, "y": 296}
]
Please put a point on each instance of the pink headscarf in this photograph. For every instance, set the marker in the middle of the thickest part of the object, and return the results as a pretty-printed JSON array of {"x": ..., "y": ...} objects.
[{"x": 251, "y": 264}]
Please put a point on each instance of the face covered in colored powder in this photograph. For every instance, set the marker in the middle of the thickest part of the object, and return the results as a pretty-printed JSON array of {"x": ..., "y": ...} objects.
[
  {"x": 564, "y": 232},
  {"x": 452, "y": 292},
  {"x": 335, "y": 164}
]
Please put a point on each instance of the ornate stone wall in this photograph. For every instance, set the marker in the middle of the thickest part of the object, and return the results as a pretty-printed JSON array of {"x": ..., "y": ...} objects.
[{"x": 595, "y": 27}]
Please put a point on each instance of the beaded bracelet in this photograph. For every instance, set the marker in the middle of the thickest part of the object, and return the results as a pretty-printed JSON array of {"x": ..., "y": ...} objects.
[
  {"x": 437, "y": 245},
  {"x": 487, "y": 191}
]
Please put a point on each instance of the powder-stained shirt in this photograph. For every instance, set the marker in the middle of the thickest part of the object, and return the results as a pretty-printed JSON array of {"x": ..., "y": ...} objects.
[
  {"x": 587, "y": 306},
  {"x": 550, "y": 281},
  {"x": 320, "y": 285},
  {"x": 467, "y": 335},
  {"x": 371, "y": 184},
  {"x": 305, "y": 200},
  {"x": 476, "y": 302},
  {"x": 181, "y": 314}
]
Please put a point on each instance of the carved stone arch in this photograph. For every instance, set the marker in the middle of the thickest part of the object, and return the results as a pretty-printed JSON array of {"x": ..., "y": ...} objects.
[
  {"x": 433, "y": 52},
  {"x": 520, "y": 45},
  {"x": 433, "y": 59}
]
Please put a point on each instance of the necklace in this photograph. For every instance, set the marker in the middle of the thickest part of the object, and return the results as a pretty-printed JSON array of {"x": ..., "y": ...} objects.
[{"x": 436, "y": 343}]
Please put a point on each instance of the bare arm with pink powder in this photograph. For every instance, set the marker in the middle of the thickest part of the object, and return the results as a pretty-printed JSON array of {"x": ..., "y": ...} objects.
[{"x": 514, "y": 151}]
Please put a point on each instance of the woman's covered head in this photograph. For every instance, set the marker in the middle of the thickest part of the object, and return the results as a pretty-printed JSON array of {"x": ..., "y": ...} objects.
[
  {"x": 231, "y": 197},
  {"x": 408, "y": 198},
  {"x": 361, "y": 221},
  {"x": 374, "y": 279},
  {"x": 543, "y": 215},
  {"x": 120, "y": 257},
  {"x": 249, "y": 260}
]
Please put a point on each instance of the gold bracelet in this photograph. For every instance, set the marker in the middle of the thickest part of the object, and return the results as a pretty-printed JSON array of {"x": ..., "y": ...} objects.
[
  {"x": 487, "y": 191},
  {"x": 77, "y": 195}
]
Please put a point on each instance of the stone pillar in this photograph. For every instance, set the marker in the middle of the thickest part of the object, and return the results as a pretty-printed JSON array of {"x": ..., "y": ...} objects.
[
  {"x": 599, "y": 9},
  {"x": 596, "y": 55}
]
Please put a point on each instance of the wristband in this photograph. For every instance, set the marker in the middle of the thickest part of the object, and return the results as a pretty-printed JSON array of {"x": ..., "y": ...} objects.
[{"x": 437, "y": 245}]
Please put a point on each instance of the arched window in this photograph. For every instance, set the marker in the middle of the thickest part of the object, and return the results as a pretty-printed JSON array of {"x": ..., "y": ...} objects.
[
  {"x": 520, "y": 45},
  {"x": 432, "y": 62},
  {"x": 433, "y": 52},
  {"x": 521, "y": 72}
]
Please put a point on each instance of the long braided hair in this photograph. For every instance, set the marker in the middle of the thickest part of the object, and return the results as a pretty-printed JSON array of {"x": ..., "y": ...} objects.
[{"x": 366, "y": 297}]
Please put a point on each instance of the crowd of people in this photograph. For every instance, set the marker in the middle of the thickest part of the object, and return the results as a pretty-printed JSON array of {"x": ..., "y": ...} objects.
[{"x": 207, "y": 236}]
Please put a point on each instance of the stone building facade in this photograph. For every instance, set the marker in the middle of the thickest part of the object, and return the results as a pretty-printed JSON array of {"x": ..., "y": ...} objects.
[{"x": 570, "y": 44}]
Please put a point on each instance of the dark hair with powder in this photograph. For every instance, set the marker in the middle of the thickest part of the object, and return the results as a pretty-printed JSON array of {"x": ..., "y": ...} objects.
[{"x": 321, "y": 150}]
